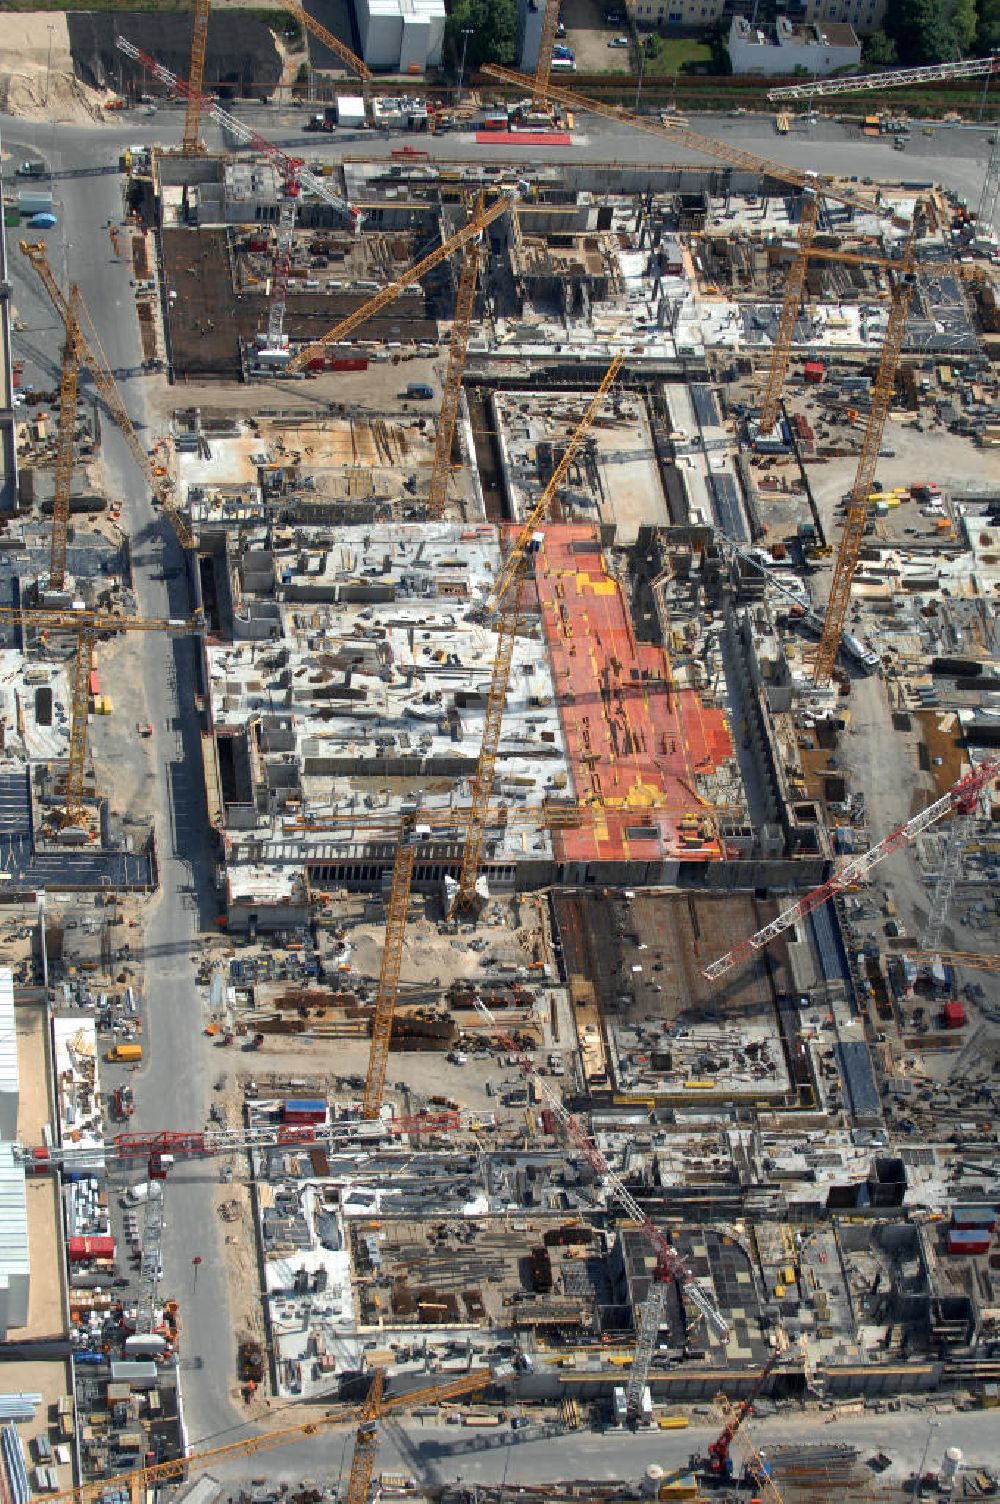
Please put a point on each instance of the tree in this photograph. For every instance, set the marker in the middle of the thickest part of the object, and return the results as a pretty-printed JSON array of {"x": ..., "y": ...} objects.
[
  {"x": 988, "y": 34},
  {"x": 493, "y": 27},
  {"x": 921, "y": 31},
  {"x": 878, "y": 51},
  {"x": 963, "y": 23}
]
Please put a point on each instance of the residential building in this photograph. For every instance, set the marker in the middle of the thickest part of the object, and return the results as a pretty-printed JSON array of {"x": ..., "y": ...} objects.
[
  {"x": 401, "y": 36},
  {"x": 819, "y": 49},
  {"x": 864, "y": 16},
  {"x": 647, "y": 14}
]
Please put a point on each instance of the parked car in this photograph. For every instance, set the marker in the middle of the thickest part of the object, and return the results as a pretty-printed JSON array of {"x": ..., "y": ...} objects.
[{"x": 618, "y": 42}]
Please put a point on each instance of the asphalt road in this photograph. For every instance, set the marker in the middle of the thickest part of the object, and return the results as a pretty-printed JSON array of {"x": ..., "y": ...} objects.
[{"x": 174, "y": 1087}]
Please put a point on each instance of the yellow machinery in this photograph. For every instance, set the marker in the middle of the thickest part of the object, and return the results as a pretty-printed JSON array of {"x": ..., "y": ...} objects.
[
  {"x": 88, "y": 626},
  {"x": 505, "y": 595},
  {"x": 65, "y": 442},
  {"x": 94, "y": 358},
  {"x": 192, "y": 144},
  {"x": 543, "y": 67},
  {"x": 392, "y": 290},
  {"x": 366, "y": 1442},
  {"x": 451, "y": 395},
  {"x": 160, "y": 1473},
  {"x": 882, "y": 391}
]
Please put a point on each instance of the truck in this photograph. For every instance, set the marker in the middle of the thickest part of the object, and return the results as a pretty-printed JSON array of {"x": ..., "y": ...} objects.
[
  {"x": 121, "y": 1054},
  {"x": 419, "y": 391},
  {"x": 31, "y": 170}
]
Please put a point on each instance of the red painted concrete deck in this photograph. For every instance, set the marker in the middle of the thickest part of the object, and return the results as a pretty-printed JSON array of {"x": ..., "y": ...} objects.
[
  {"x": 523, "y": 138},
  {"x": 634, "y": 742}
]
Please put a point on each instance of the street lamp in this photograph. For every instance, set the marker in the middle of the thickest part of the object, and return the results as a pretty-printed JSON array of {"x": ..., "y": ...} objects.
[
  {"x": 48, "y": 66},
  {"x": 932, "y": 1425},
  {"x": 466, "y": 34},
  {"x": 642, "y": 72}
]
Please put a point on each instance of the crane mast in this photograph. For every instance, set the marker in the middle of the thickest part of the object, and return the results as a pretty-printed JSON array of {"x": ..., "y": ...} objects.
[
  {"x": 547, "y": 40},
  {"x": 882, "y": 391},
  {"x": 88, "y": 625},
  {"x": 294, "y": 178},
  {"x": 65, "y": 443},
  {"x": 894, "y": 78},
  {"x": 960, "y": 798},
  {"x": 785, "y": 333},
  {"x": 392, "y": 290},
  {"x": 192, "y": 144},
  {"x": 366, "y": 1442},
  {"x": 97, "y": 364},
  {"x": 506, "y": 595},
  {"x": 451, "y": 394}
]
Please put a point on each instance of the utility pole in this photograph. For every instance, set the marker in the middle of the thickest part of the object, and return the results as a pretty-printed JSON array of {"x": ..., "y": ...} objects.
[
  {"x": 466, "y": 34},
  {"x": 642, "y": 72}
]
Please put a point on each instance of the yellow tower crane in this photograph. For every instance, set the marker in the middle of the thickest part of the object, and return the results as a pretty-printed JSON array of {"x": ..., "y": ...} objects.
[
  {"x": 505, "y": 595},
  {"x": 543, "y": 67},
  {"x": 451, "y": 394},
  {"x": 392, "y": 290},
  {"x": 177, "y": 1469},
  {"x": 88, "y": 627},
  {"x": 65, "y": 443},
  {"x": 882, "y": 390},
  {"x": 192, "y": 145},
  {"x": 94, "y": 358}
]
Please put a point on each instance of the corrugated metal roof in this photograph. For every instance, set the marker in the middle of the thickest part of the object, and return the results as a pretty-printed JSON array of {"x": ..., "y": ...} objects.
[
  {"x": 13, "y": 1215},
  {"x": 9, "y": 1075}
]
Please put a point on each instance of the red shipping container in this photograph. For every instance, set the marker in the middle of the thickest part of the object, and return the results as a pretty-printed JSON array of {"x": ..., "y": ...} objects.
[
  {"x": 548, "y": 1120},
  {"x": 93, "y": 682},
  {"x": 814, "y": 371},
  {"x": 968, "y": 1240},
  {"x": 348, "y": 363},
  {"x": 316, "y": 363},
  {"x": 954, "y": 1015},
  {"x": 257, "y": 243},
  {"x": 91, "y": 1248}
]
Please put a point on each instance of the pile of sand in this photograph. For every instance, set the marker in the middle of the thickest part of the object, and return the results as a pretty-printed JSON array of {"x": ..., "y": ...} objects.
[{"x": 36, "y": 71}]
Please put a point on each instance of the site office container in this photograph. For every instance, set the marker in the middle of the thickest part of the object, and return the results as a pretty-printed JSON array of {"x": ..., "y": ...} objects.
[
  {"x": 814, "y": 371},
  {"x": 968, "y": 1240},
  {"x": 304, "y": 1110},
  {"x": 983, "y": 1217},
  {"x": 102, "y": 1247}
]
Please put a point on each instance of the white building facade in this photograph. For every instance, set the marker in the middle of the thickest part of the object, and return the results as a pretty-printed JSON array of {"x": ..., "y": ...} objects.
[
  {"x": 819, "y": 49},
  {"x": 401, "y": 36}
]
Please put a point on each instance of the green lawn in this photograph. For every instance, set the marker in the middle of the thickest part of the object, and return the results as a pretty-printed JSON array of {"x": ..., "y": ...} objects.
[{"x": 674, "y": 53}]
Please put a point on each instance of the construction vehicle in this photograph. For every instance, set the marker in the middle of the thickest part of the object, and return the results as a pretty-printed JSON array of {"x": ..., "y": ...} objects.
[
  {"x": 670, "y": 1268},
  {"x": 719, "y": 1463},
  {"x": 71, "y": 309},
  {"x": 892, "y": 78},
  {"x": 316, "y": 349},
  {"x": 88, "y": 626},
  {"x": 961, "y": 797},
  {"x": 294, "y": 178}
]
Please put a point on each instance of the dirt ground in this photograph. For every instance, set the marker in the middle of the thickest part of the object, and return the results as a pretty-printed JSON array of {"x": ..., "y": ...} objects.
[
  {"x": 33, "y": 1102},
  {"x": 32, "y": 88}
]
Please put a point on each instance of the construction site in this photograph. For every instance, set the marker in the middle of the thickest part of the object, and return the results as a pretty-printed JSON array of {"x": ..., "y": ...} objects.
[{"x": 498, "y": 812}]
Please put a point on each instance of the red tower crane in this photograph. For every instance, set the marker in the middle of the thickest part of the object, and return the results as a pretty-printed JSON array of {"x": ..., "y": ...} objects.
[
  {"x": 961, "y": 798},
  {"x": 293, "y": 175}
]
